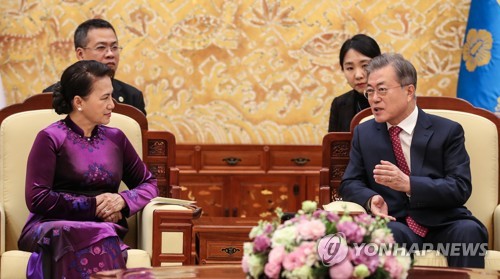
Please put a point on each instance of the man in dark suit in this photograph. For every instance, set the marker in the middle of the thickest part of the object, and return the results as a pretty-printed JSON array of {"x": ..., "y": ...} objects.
[
  {"x": 412, "y": 167},
  {"x": 96, "y": 39}
]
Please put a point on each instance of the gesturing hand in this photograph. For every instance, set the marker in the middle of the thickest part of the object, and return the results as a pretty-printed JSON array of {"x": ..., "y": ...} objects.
[
  {"x": 108, "y": 207},
  {"x": 388, "y": 174},
  {"x": 378, "y": 207}
]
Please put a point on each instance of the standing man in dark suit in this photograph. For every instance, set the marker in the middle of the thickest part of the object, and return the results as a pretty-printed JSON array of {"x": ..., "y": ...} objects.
[
  {"x": 95, "y": 39},
  {"x": 412, "y": 167}
]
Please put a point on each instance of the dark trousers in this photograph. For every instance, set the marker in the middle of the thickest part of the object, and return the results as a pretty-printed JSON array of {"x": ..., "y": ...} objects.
[{"x": 463, "y": 242}]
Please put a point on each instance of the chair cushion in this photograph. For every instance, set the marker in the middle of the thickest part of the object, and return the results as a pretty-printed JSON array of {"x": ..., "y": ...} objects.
[
  {"x": 138, "y": 258},
  {"x": 492, "y": 260},
  {"x": 14, "y": 263},
  {"x": 430, "y": 258}
]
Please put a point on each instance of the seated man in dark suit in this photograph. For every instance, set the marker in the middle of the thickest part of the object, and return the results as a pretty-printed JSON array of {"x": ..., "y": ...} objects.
[
  {"x": 96, "y": 39},
  {"x": 412, "y": 167}
]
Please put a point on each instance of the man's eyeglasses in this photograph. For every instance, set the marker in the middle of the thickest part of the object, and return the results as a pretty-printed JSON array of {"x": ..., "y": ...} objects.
[
  {"x": 381, "y": 91},
  {"x": 104, "y": 49}
]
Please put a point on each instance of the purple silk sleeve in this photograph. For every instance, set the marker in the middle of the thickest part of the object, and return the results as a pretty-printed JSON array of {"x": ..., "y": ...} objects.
[{"x": 140, "y": 181}]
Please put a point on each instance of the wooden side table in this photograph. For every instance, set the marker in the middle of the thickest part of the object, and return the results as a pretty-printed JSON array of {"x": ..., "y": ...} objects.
[
  {"x": 176, "y": 227},
  {"x": 219, "y": 240}
]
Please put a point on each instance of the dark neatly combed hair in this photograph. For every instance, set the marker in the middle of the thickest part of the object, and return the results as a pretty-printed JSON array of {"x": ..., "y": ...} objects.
[
  {"x": 77, "y": 80},
  {"x": 80, "y": 38},
  {"x": 405, "y": 71},
  {"x": 361, "y": 43}
]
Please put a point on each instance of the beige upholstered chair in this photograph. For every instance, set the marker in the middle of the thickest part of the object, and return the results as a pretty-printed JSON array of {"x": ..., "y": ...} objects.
[
  {"x": 482, "y": 143},
  {"x": 19, "y": 125}
]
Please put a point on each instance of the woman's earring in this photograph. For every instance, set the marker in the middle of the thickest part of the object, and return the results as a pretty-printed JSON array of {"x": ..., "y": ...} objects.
[{"x": 79, "y": 109}]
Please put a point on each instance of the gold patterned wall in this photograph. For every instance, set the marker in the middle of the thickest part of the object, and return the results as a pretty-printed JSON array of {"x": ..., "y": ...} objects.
[{"x": 242, "y": 71}]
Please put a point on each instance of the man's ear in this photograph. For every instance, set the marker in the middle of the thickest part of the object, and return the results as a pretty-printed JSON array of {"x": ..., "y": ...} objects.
[
  {"x": 79, "y": 53},
  {"x": 411, "y": 90}
]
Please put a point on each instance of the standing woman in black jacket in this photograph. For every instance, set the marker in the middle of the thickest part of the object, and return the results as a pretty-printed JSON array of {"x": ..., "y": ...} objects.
[{"x": 355, "y": 54}]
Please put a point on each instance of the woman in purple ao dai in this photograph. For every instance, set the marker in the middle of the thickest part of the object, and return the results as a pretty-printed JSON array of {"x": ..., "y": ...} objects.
[{"x": 77, "y": 217}]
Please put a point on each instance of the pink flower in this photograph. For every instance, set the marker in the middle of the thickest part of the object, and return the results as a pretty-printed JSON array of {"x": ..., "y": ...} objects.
[
  {"x": 393, "y": 267},
  {"x": 364, "y": 219},
  {"x": 367, "y": 255},
  {"x": 277, "y": 255},
  {"x": 308, "y": 249},
  {"x": 330, "y": 216},
  {"x": 294, "y": 260},
  {"x": 272, "y": 270},
  {"x": 268, "y": 228},
  {"x": 261, "y": 243},
  {"x": 311, "y": 230},
  {"x": 353, "y": 233},
  {"x": 380, "y": 236},
  {"x": 341, "y": 270},
  {"x": 244, "y": 263}
]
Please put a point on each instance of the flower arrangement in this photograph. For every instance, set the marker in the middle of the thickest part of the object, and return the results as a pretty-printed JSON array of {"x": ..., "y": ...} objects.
[{"x": 321, "y": 244}]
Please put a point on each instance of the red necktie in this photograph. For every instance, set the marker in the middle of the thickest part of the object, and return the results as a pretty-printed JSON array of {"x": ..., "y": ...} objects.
[{"x": 403, "y": 166}]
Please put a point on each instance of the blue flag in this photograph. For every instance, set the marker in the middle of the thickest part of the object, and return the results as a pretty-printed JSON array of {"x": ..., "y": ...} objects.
[{"x": 479, "y": 78}]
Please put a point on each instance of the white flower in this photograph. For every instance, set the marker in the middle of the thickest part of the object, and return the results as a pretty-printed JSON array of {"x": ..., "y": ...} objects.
[
  {"x": 248, "y": 248},
  {"x": 382, "y": 235},
  {"x": 309, "y": 206},
  {"x": 304, "y": 272},
  {"x": 257, "y": 230},
  {"x": 285, "y": 236},
  {"x": 404, "y": 260},
  {"x": 255, "y": 265}
]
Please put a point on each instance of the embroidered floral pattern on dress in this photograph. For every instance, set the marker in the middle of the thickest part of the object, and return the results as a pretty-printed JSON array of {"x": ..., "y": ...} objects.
[
  {"x": 132, "y": 195},
  {"x": 78, "y": 203},
  {"x": 96, "y": 173},
  {"x": 85, "y": 143},
  {"x": 90, "y": 260}
]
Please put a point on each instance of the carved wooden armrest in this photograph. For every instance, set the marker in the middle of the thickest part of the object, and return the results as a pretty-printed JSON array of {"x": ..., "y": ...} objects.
[{"x": 159, "y": 156}]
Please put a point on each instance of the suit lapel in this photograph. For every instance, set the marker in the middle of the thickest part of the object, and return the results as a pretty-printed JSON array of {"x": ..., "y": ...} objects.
[
  {"x": 117, "y": 88},
  {"x": 421, "y": 136},
  {"x": 385, "y": 148}
]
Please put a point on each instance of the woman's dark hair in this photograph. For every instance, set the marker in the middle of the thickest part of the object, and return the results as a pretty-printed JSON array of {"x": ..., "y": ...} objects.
[
  {"x": 77, "y": 80},
  {"x": 361, "y": 43}
]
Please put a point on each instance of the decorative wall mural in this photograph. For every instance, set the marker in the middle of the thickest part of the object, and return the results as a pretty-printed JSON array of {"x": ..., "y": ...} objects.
[{"x": 233, "y": 71}]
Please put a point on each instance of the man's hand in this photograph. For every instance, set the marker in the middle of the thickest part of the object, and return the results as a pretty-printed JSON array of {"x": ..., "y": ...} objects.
[
  {"x": 108, "y": 207},
  {"x": 378, "y": 207},
  {"x": 388, "y": 174}
]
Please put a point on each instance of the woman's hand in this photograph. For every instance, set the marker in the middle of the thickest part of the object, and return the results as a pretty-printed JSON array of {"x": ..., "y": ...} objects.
[{"x": 109, "y": 206}]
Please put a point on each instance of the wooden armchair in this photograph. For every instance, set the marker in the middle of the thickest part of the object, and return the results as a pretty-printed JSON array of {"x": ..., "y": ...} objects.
[
  {"x": 482, "y": 143},
  {"x": 20, "y": 123}
]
